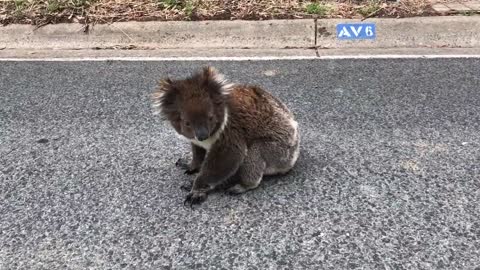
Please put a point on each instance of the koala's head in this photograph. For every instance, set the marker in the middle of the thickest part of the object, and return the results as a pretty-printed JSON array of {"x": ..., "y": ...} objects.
[{"x": 194, "y": 106}]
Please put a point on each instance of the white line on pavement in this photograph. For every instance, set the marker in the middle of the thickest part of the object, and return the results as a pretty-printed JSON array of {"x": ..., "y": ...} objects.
[{"x": 244, "y": 58}]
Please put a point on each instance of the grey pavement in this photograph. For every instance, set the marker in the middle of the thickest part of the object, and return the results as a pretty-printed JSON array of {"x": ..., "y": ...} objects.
[{"x": 388, "y": 176}]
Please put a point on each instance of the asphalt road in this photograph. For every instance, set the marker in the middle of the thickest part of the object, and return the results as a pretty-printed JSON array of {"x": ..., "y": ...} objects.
[{"x": 388, "y": 175}]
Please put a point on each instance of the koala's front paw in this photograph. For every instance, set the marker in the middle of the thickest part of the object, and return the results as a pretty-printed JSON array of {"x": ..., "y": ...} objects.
[
  {"x": 181, "y": 163},
  {"x": 195, "y": 197}
]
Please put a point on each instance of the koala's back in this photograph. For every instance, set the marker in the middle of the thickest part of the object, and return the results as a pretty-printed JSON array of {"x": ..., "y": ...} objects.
[
  {"x": 260, "y": 116},
  {"x": 268, "y": 128}
]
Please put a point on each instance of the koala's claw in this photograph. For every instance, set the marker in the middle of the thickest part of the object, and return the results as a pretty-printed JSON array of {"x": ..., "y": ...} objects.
[
  {"x": 189, "y": 172},
  {"x": 195, "y": 198},
  {"x": 181, "y": 163}
]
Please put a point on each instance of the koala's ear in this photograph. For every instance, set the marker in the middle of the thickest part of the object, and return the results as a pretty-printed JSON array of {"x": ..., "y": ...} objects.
[
  {"x": 215, "y": 80},
  {"x": 165, "y": 85},
  {"x": 164, "y": 96}
]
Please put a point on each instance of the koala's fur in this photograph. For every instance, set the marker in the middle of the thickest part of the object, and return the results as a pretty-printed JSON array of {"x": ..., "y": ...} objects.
[{"x": 236, "y": 131}]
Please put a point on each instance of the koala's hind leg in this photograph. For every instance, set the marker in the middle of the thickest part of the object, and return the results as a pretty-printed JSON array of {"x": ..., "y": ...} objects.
[
  {"x": 280, "y": 157},
  {"x": 250, "y": 173},
  {"x": 265, "y": 158}
]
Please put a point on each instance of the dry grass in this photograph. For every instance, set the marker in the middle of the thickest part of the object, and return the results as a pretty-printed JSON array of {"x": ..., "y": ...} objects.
[
  {"x": 40, "y": 12},
  {"x": 414, "y": 7}
]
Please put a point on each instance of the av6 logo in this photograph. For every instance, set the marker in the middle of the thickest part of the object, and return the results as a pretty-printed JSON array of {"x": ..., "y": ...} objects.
[{"x": 356, "y": 31}]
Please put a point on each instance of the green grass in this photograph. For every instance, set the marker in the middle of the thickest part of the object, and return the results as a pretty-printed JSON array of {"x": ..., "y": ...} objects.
[
  {"x": 178, "y": 4},
  {"x": 23, "y": 8},
  {"x": 370, "y": 7},
  {"x": 189, "y": 7},
  {"x": 53, "y": 6},
  {"x": 318, "y": 9},
  {"x": 80, "y": 3},
  {"x": 20, "y": 6}
]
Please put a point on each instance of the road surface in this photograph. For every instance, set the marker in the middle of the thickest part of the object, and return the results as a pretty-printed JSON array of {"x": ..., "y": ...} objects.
[{"x": 388, "y": 176}]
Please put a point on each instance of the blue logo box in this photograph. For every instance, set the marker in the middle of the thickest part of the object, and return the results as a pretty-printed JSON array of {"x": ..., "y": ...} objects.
[{"x": 349, "y": 31}]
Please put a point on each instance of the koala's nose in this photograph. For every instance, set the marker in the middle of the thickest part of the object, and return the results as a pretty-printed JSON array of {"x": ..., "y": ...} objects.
[{"x": 201, "y": 133}]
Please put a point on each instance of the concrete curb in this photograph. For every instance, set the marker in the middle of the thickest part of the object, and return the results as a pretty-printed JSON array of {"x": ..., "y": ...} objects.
[
  {"x": 164, "y": 35},
  {"x": 453, "y": 32}
]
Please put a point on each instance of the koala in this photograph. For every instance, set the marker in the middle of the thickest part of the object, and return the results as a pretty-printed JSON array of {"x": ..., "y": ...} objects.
[{"x": 236, "y": 131}]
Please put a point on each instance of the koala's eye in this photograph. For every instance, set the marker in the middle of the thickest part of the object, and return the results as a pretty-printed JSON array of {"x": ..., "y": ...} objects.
[{"x": 187, "y": 123}]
